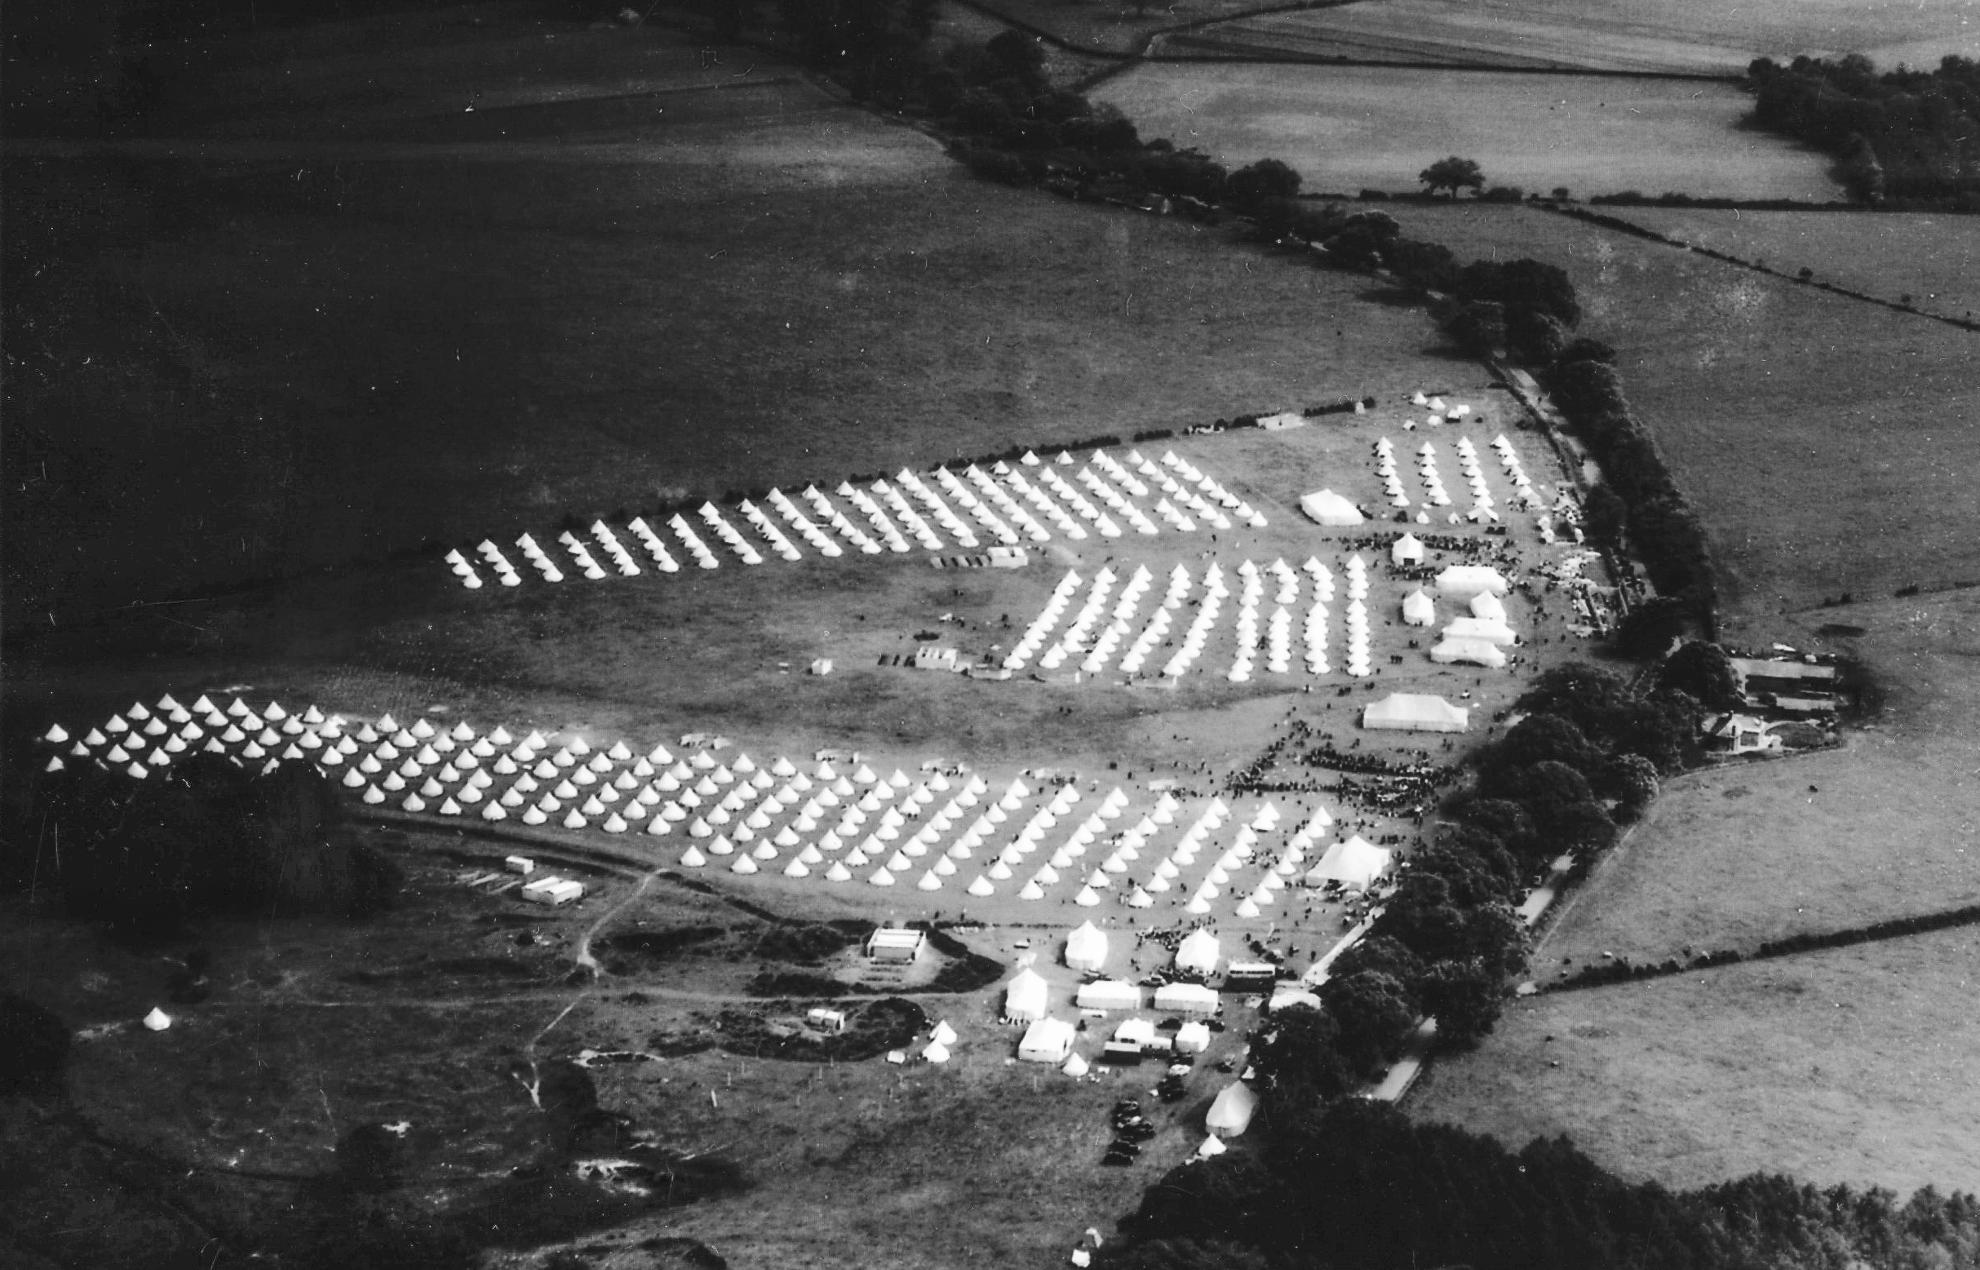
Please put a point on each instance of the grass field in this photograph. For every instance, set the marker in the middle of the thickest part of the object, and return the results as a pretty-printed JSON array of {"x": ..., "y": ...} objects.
[
  {"x": 1814, "y": 477},
  {"x": 1115, "y": 26},
  {"x": 1933, "y": 259},
  {"x": 455, "y": 337},
  {"x": 1348, "y": 128},
  {"x": 1845, "y": 1066},
  {"x": 1613, "y": 35}
]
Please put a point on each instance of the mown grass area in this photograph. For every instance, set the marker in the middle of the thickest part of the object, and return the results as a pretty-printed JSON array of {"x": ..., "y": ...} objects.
[
  {"x": 1663, "y": 35},
  {"x": 1817, "y": 436},
  {"x": 1931, "y": 258},
  {"x": 1350, "y": 128},
  {"x": 1843, "y": 1066}
]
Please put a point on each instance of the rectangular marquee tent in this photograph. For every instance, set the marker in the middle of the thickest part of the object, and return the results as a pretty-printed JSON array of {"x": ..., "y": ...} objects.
[
  {"x": 1047, "y": 1041},
  {"x": 1415, "y": 712}
]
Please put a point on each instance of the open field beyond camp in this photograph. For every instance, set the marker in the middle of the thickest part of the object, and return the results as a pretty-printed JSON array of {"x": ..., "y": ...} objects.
[
  {"x": 1352, "y": 128},
  {"x": 1929, "y": 260},
  {"x": 1821, "y": 438},
  {"x": 440, "y": 344},
  {"x": 1843, "y": 1066},
  {"x": 1671, "y": 36}
]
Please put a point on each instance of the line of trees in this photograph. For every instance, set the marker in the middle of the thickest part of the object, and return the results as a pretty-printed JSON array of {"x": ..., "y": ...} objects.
[
  {"x": 1587, "y": 758},
  {"x": 1666, "y": 533},
  {"x": 1905, "y": 135},
  {"x": 1357, "y": 1186}
]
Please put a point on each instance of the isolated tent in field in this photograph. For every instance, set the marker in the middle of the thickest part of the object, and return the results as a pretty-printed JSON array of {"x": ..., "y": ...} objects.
[
  {"x": 157, "y": 1020},
  {"x": 1075, "y": 1066},
  {"x": 1086, "y": 947},
  {"x": 1198, "y": 953},
  {"x": 1231, "y": 1114},
  {"x": 1356, "y": 864},
  {"x": 1025, "y": 997},
  {"x": 1328, "y": 508},
  {"x": 936, "y": 1053},
  {"x": 1046, "y": 1041},
  {"x": 1415, "y": 712},
  {"x": 1418, "y": 609},
  {"x": 1212, "y": 1147}
]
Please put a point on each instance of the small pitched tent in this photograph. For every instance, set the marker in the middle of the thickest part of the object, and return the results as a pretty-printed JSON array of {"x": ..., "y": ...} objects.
[
  {"x": 1408, "y": 549},
  {"x": 1415, "y": 712},
  {"x": 1046, "y": 1041},
  {"x": 1418, "y": 609},
  {"x": 1025, "y": 997},
  {"x": 1086, "y": 947},
  {"x": 1328, "y": 508},
  {"x": 1230, "y": 1115}
]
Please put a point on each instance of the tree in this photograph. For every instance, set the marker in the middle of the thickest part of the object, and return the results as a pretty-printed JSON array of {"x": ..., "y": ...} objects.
[
  {"x": 1651, "y": 626},
  {"x": 1539, "y": 738},
  {"x": 1703, "y": 670},
  {"x": 1466, "y": 998},
  {"x": 1427, "y": 265},
  {"x": 1631, "y": 780},
  {"x": 1452, "y": 174},
  {"x": 1479, "y": 327},
  {"x": 1300, "y": 1054},
  {"x": 1373, "y": 1012},
  {"x": 1251, "y": 185},
  {"x": 1534, "y": 337},
  {"x": 1585, "y": 348},
  {"x": 1604, "y": 517}
]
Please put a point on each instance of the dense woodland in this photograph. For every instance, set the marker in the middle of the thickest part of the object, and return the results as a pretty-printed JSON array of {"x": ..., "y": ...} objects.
[
  {"x": 1356, "y": 1186},
  {"x": 1905, "y": 136}
]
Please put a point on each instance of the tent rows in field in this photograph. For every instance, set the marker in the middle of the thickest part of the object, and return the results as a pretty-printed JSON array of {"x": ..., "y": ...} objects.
[
  {"x": 932, "y": 833},
  {"x": 1434, "y": 493},
  {"x": 1107, "y": 622},
  {"x": 1007, "y": 505}
]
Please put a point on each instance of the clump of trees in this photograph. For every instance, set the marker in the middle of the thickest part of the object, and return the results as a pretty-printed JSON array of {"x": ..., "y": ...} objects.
[
  {"x": 1906, "y": 135},
  {"x": 203, "y": 836},
  {"x": 1360, "y": 1185}
]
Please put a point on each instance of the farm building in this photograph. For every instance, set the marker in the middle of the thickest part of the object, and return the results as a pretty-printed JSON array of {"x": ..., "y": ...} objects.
[
  {"x": 1024, "y": 997},
  {"x": 1046, "y": 1041},
  {"x": 1738, "y": 733},
  {"x": 1355, "y": 864},
  {"x": 892, "y": 943},
  {"x": 1108, "y": 994},
  {"x": 825, "y": 1019},
  {"x": 1198, "y": 953},
  {"x": 1086, "y": 947},
  {"x": 1186, "y": 998},
  {"x": 1231, "y": 1114},
  {"x": 1415, "y": 712}
]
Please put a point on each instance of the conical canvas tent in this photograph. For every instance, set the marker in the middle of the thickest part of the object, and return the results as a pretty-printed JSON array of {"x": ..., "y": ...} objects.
[
  {"x": 1086, "y": 947},
  {"x": 1356, "y": 864},
  {"x": 1198, "y": 953},
  {"x": 1418, "y": 609},
  {"x": 1230, "y": 1115}
]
